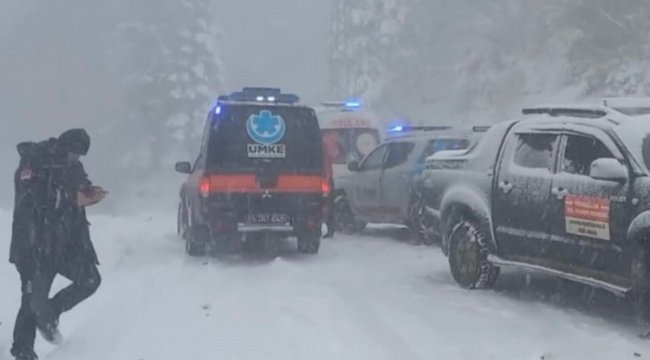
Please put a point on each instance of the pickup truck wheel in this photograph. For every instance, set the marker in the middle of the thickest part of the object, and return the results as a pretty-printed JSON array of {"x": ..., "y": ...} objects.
[
  {"x": 641, "y": 291},
  {"x": 468, "y": 257},
  {"x": 344, "y": 219},
  {"x": 421, "y": 227}
]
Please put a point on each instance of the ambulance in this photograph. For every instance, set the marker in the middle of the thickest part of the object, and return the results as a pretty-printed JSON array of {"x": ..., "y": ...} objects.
[{"x": 349, "y": 133}]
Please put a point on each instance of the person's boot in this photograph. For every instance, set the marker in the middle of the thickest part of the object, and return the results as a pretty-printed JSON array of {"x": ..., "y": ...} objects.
[
  {"x": 24, "y": 354},
  {"x": 50, "y": 333},
  {"x": 47, "y": 324}
]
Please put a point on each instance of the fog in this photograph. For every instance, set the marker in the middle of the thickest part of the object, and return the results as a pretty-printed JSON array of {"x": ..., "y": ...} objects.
[
  {"x": 291, "y": 46},
  {"x": 71, "y": 64},
  {"x": 141, "y": 75}
]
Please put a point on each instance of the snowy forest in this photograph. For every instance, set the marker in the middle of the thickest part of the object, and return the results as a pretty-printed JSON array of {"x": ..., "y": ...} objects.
[
  {"x": 479, "y": 61},
  {"x": 141, "y": 75}
]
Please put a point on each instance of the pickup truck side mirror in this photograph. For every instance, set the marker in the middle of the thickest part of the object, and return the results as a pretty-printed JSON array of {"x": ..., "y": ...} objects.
[
  {"x": 184, "y": 167},
  {"x": 609, "y": 169},
  {"x": 353, "y": 166}
]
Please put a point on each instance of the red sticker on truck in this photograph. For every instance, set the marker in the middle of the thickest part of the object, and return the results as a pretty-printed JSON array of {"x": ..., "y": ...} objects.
[{"x": 587, "y": 216}]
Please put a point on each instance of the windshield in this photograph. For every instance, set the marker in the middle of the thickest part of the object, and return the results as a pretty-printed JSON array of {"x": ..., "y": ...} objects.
[
  {"x": 349, "y": 144},
  {"x": 247, "y": 138},
  {"x": 635, "y": 134}
]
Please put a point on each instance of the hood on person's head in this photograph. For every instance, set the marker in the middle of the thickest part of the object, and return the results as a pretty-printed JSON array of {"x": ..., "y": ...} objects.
[{"x": 75, "y": 141}]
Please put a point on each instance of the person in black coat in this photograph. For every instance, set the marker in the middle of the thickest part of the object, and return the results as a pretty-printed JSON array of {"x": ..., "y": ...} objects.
[{"x": 51, "y": 236}]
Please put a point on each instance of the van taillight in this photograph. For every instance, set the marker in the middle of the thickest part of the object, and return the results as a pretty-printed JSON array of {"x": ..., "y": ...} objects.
[
  {"x": 205, "y": 186},
  {"x": 326, "y": 187}
]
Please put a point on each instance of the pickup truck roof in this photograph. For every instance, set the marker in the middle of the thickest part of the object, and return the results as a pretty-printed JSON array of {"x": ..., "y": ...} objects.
[
  {"x": 607, "y": 111},
  {"x": 620, "y": 115}
]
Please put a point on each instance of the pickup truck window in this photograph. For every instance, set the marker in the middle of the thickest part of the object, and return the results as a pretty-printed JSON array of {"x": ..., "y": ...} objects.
[
  {"x": 536, "y": 151},
  {"x": 375, "y": 160},
  {"x": 398, "y": 154},
  {"x": 580, "y": 152},
  {"x": 442, "y": 144}
]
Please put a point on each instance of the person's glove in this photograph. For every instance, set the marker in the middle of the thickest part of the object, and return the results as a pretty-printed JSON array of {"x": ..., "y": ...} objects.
[{"x": 91, "y": 197}]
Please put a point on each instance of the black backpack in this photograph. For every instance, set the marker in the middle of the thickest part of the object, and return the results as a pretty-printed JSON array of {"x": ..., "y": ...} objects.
[{"x": 41, "y": 198}]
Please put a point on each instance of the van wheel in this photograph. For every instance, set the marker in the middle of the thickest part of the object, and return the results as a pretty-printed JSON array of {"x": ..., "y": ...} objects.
[
  {"x": 197, "y": 243},
  {"x": 182, "y": 224},
  {"x": 468, "y": 257},
  {"x": 309, "y": 242}
]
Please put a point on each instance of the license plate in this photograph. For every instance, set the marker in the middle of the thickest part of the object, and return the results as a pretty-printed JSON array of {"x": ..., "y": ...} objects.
[{"x": 267, "y": 219}]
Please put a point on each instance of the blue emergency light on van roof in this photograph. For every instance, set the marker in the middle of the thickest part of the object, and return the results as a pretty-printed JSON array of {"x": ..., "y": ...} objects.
[
  {"x": 347, "y": 106},
  {"x": 402, "y": 129},
  {"x": 353, "y": 104},
  {"x": 261, "y": 95}
]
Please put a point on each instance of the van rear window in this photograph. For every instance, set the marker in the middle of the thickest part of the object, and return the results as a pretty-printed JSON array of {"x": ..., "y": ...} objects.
[{"x": 249, "y": 138}]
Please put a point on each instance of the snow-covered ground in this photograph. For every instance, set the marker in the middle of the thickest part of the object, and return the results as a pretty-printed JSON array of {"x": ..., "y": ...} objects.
[{"x": 366, "y": 297}]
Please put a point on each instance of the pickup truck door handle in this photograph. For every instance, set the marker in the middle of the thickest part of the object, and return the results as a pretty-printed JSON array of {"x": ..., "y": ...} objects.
[
  {"x": 559, "y": 192},
  {"x": 505, "y": 186}
]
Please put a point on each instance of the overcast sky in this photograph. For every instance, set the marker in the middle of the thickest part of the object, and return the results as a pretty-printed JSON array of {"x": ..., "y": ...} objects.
[{"x": 294, "y": 50}]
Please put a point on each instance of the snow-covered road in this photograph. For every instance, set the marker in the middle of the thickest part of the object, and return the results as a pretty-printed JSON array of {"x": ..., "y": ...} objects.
[{"x": 368, "y": 297}]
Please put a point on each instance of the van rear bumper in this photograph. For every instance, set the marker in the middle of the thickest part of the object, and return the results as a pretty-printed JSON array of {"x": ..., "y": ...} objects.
[
  {"x": 229, "y": 213},
  {"x": 248, "y": 228}
]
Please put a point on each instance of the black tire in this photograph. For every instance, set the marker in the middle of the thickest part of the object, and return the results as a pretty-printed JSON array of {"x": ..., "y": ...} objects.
[
  {"x": 344, "y": 219},
  {"x": 309, "y": 242},
  {"x": 182, "y": 224},
  {"x": 421, "y": 229},
  {"x": 197, "y": 243},
  {"x": 468, "y": 257},
  {"x": 641, "y": 291},
  {"x": 178, "y": 219}
]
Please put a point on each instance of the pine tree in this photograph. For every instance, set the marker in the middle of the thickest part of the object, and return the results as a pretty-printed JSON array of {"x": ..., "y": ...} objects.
[
  {"x": 174, "y": 72},
  {"x": 364, "y": 38}
]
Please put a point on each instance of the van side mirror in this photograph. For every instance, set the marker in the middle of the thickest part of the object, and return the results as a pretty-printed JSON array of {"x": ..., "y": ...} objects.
[
  {"x": 608, "y": 169},
  {"x": 353, "y": 166},
  {"x": 184, "y": 167}
]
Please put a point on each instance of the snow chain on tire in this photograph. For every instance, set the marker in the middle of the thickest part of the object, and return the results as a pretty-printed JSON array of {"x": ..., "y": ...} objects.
[{"x": 486, "y": 270}]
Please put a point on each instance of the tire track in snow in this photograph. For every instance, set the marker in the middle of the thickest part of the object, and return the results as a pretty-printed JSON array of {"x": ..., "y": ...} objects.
[{"x": 365, "y": 313}]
